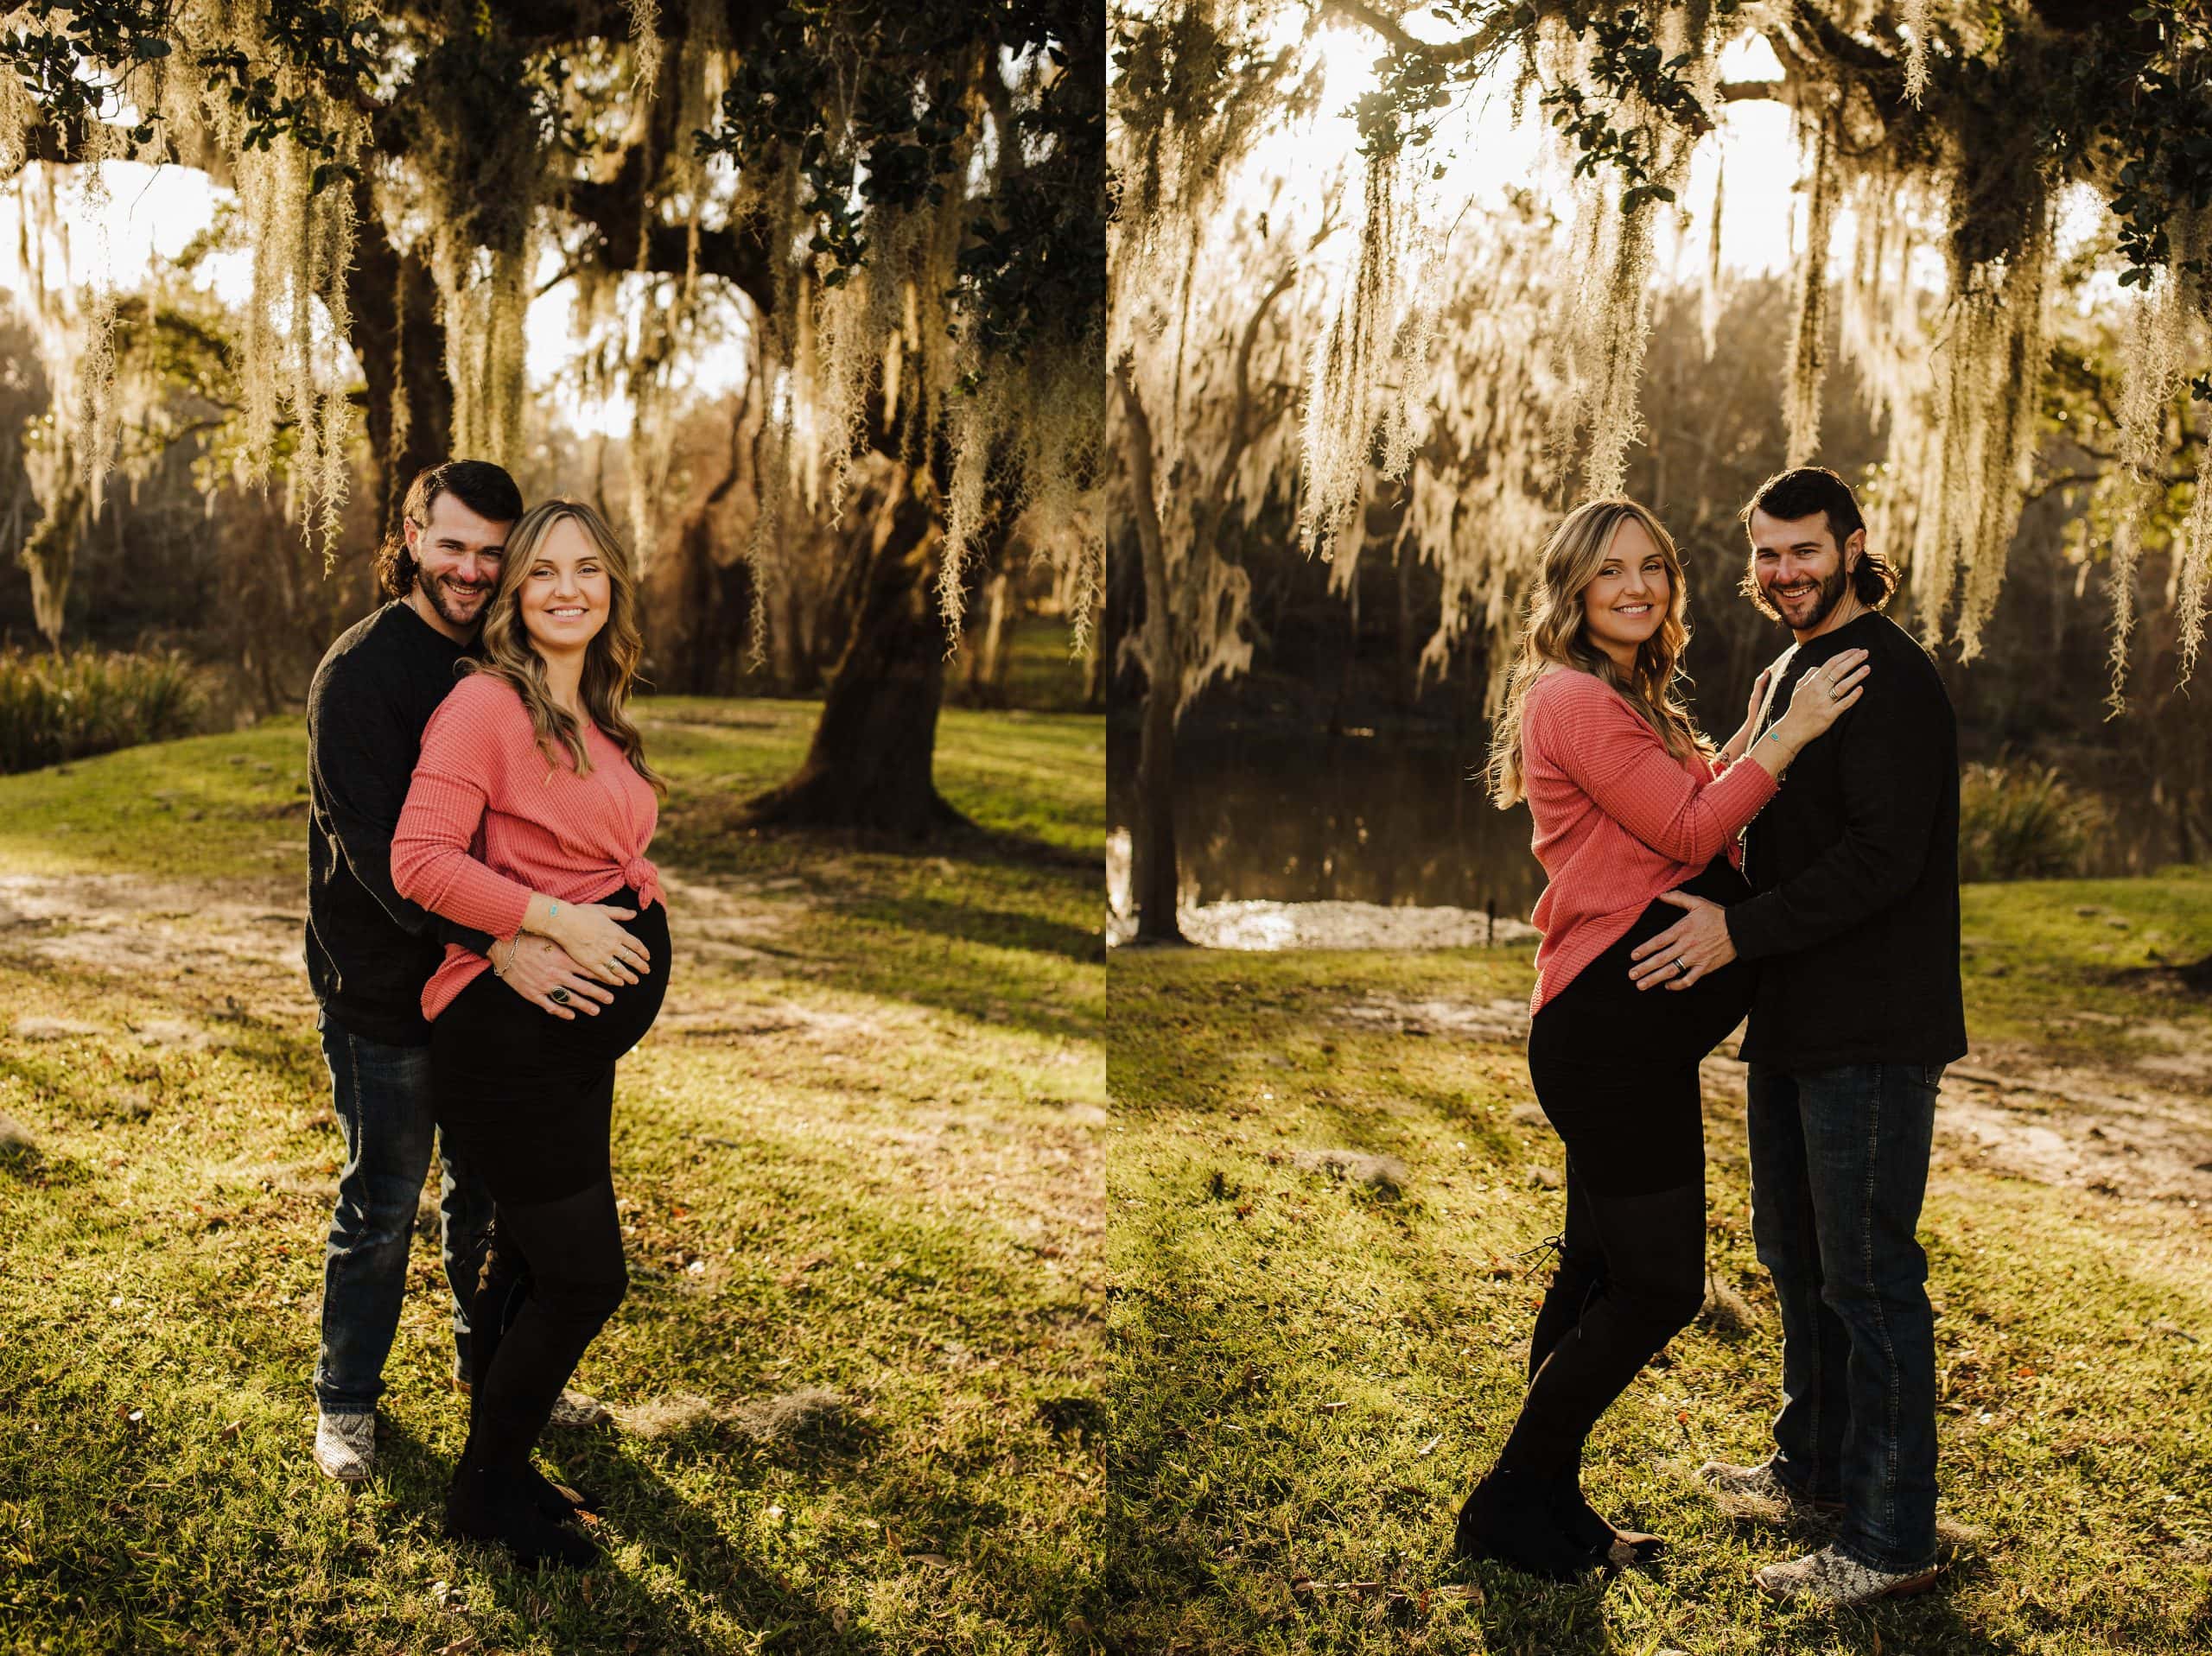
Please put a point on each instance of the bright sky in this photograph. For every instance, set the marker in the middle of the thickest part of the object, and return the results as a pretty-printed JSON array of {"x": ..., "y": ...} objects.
[{"x": 1484, "y": 151}]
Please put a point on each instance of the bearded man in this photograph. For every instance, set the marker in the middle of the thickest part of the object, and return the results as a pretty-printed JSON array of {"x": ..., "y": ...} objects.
[{"x": 1854, "y": 928}]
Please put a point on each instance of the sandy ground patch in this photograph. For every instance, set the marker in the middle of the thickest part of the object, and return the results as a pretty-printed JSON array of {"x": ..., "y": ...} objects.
[
  {"x": 244, "y": 935},
  {"x": 709, "y": 920},
  {"x": 2140, "y": 1130},
  {"x": 237, "y": 945},
  {"x": 250, "y": 932},
  {"x": 1270, "y": 926}
]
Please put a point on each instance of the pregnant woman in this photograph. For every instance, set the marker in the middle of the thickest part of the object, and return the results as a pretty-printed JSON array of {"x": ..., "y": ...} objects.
[
  {"x": 1629, "y": 801},
  {"x": 530, "y": 810}
]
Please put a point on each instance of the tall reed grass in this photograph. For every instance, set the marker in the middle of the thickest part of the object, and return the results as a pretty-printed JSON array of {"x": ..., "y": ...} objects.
[
  {"x": 2023, "y": 821},
  {"x": 55, "y": 708}
]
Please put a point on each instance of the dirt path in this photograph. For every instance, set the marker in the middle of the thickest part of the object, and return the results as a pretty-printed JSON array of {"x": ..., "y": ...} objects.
[
  {"x": 194, "y": 956},
  {"x": 239, "y": 939},
  {"x": 133, "y": 922},
  {"x": 243, "y": 938},
  {"x": 2138, "y": 1131}
]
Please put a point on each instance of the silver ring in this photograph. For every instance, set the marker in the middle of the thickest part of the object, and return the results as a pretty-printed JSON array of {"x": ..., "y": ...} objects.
[
  {"x": 1680, "y": 969},
  {"x": 558, "y": 997}
]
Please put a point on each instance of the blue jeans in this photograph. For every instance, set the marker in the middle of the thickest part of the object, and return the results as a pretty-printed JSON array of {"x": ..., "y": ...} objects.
[
  {"x": 381, "y": 1096},
  {"x": 1839, "y": 1167}
]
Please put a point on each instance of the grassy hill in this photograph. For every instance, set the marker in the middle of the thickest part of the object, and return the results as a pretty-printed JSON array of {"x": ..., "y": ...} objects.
[
  {"x": 1316, "y": 1355},
  {"x": 857, "y": 1157}
]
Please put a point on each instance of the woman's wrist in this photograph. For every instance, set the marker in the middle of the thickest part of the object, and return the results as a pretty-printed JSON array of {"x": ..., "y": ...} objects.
[{"x": 544, "y": 916}]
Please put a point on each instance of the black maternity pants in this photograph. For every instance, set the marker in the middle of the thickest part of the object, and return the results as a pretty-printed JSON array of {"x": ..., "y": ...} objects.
[
  {"x": 531, "y": 1098},
  {"x": 1615, "y": 1070}
]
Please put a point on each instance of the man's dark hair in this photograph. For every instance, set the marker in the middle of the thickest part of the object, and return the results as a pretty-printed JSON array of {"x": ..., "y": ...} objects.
[
  {"x": 1789, "y": 496},
  {"x": 484, "y": 488}
]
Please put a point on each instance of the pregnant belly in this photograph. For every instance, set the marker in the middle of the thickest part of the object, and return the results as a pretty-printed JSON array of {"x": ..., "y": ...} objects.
[{"x": 622, "y": 1022}]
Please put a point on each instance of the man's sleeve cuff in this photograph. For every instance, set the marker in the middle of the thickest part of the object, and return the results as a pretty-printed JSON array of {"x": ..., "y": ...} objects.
[{"x": 1751, "y": 938}]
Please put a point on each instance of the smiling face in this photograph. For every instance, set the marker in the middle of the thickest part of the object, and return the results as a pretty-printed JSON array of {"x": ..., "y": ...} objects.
[
  {"x": 457, "y": 559},
  {"x": 565, "y": 594},
  {"x": 1802, "y": 572},
  {"x": 1626, "y": 602}
]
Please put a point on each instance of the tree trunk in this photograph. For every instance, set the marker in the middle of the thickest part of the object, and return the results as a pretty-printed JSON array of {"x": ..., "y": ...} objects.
[
  {"x": 401, "y": 346},
  {"x": 699, "y": 576},
  {"x": 986, "y": 685},
  {"x": 1155, "y": 883},
  {"x": 50, "y": 556},
  {"x": 870, "y": 765},
  {"x": 1408, "y": 650},
  {"x": 1094, "y": 675},
  {"x": 792, "y": 647}
]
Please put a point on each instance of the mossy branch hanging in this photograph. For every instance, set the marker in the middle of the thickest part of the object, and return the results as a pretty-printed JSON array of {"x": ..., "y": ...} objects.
[{"x": 1937, "y": 121}]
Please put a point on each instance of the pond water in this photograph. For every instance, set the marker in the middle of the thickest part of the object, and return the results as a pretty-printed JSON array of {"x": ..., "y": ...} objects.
[
  {"x": 1396, "y": 819},
  {"x": 1350, "y": 819}
]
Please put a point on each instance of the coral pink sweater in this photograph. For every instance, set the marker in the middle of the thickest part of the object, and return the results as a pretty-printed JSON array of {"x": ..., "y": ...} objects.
[
  {"x": 1618, "y": 818},
  {"x": 489, "y": 821}
]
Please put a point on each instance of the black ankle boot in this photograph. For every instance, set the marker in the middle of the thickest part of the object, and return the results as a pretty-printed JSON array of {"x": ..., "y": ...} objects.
[
  {"x": 557, "y": 1501},
  {"x": 486, "y": 1505},
  {"x": 1595, "y": 1534},
  {"x": 1511, "y": 1518}
]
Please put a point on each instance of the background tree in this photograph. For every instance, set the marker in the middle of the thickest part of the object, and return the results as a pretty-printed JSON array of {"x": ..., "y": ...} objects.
[
  {"x": 903, "y": 204},
  {"x": 1483, "y": 361},
  {"x": 1950, "y": 129},
  {"x": 1205, "y": 367},
  {"x": 1201, "y": 445}
]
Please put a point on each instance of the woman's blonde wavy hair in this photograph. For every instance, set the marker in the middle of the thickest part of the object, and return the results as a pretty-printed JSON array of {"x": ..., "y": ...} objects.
[
  {"x": 1552, "y": 635},
  {"x": 610, "y": 660}
]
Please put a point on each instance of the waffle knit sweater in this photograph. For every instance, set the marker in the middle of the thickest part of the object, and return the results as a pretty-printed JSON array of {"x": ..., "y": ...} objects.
[
  {"x": 1618, "y": 818},
  {"x": 489, "y": 821}
]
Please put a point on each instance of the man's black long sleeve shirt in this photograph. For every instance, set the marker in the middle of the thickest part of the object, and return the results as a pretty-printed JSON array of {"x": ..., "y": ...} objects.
[
  {"x": 1854, "y": 865},
  {"x": 370, "y": 950}
]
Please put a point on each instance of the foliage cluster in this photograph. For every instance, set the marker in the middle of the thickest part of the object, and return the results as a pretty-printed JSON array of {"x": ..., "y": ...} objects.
[
  {"x": 952, "y": 153},
  {"x": 59, "y": 706},
  {"x": 2022, "y": 822}
]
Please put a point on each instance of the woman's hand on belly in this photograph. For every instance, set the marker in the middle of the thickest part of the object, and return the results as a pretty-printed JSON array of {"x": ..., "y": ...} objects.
[{"x": 593, "y": 934}]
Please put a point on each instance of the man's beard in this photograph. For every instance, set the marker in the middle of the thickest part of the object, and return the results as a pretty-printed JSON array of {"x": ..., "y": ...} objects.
[
  {"x": 439, "y": 602},
  {"x": 1825, "y": 598}
]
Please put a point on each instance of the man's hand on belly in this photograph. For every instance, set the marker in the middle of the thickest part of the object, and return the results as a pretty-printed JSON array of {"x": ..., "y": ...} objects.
[
  {"x": 540, "y": 966},
  {"x": 1693, "y": 946}
]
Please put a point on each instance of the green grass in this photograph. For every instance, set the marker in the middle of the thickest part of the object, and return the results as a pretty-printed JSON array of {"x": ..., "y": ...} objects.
[
  {"x": 1040, "y": 673},
  {"x": 1308, "y": 1378},
  {"x": 2040, "y": 953},
  {"x": 858, "y": 1153}
]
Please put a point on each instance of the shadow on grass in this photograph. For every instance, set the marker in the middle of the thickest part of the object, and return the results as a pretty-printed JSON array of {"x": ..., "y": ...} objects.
[
  {"x": 604, "y": 1609},
  {"x": 999, "y": 928},
  {"x": 685, "y": 1538},
  {"x": 28, "y": 1165},
  {"x": 1518, "y": 1612},
  {"x": 713, "y": 831}
]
